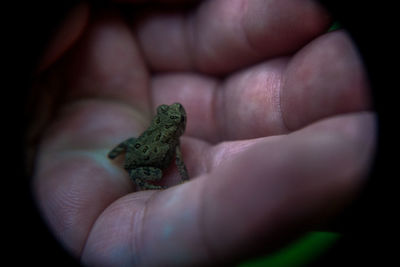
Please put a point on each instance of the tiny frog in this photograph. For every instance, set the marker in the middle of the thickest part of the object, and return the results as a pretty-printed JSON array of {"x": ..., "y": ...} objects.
[{"x": 153, "y": 151}]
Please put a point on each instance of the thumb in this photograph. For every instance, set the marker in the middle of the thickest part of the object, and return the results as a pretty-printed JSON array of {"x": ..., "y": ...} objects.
[{"x": 262, "y": 197}]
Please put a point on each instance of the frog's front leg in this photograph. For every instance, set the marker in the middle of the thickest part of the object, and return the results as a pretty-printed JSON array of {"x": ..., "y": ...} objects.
[
  {"x": 181, "y": 165},
  {"x": 143, "y": 174},
  {"x": 121, "y": 148}
]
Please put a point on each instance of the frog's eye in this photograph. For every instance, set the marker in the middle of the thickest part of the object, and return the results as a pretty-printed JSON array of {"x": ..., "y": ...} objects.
[{"x": 173, "y": 117}]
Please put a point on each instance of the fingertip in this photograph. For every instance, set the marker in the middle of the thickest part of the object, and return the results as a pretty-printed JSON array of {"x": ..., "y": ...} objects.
[
  {"x": 325, "y": 78},
  {"x": 281, "y": 187}
]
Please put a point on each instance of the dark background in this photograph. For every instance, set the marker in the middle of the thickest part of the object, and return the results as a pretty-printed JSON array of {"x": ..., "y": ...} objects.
[{"x": 368, "y": 226}]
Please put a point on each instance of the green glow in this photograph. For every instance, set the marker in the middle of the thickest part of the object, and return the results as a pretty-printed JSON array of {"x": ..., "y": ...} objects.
[
  {"x": 335, "y": 26},
  {"x": 298, "y": 253}
]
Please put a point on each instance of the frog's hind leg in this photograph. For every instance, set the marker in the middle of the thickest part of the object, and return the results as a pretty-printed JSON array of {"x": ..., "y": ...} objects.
[
  {"x": 120, "y": 148},
  {"x": 181, "y": 165},
  {"x": 142, "y": 175},
  {"x": 146, "y": 186}
]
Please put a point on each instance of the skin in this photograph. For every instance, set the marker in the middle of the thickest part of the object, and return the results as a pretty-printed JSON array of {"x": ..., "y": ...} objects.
[{"x": 281, "y": 143}]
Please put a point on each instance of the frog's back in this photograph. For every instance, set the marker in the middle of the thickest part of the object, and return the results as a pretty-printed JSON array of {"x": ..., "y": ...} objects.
[{"x": 150, "y": 150}]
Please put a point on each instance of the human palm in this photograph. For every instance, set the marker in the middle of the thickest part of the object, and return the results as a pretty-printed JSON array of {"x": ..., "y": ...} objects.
[{"x": 278, "y": 134}]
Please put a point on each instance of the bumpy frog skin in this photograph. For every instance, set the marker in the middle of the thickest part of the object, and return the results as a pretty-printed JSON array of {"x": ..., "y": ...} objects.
[{"x": 153, "y": 151}]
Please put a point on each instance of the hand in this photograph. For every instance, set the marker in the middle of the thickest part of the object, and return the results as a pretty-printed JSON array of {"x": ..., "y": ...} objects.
[{"x": 279, "y": 134}]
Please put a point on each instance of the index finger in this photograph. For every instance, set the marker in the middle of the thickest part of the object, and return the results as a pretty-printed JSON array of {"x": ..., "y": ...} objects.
[
  {"x": 219, "y": 36},
  {"x": 323, "y": 79}
]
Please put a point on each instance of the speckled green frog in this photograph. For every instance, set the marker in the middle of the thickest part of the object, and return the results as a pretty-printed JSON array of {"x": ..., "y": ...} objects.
[{"x": 153, "y": 151}]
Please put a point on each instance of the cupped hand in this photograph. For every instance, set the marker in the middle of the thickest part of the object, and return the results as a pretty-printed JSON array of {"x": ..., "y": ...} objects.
[{"x": 279, "y": 134}]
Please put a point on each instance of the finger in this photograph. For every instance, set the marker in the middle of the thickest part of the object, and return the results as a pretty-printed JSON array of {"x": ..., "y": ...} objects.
[
  {"x": 74, "y": 180},
  {"x": 269, "y": 192},
  {"x": 223, "y": 35},
  {"x": 289, "y": 186},
  {"x": 105, "y": 64},
  {"x": 326, "y": 78}
]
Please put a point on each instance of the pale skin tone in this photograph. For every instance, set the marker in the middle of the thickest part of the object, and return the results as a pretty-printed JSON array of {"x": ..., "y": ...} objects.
[{"x": 279, "y": 135}]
